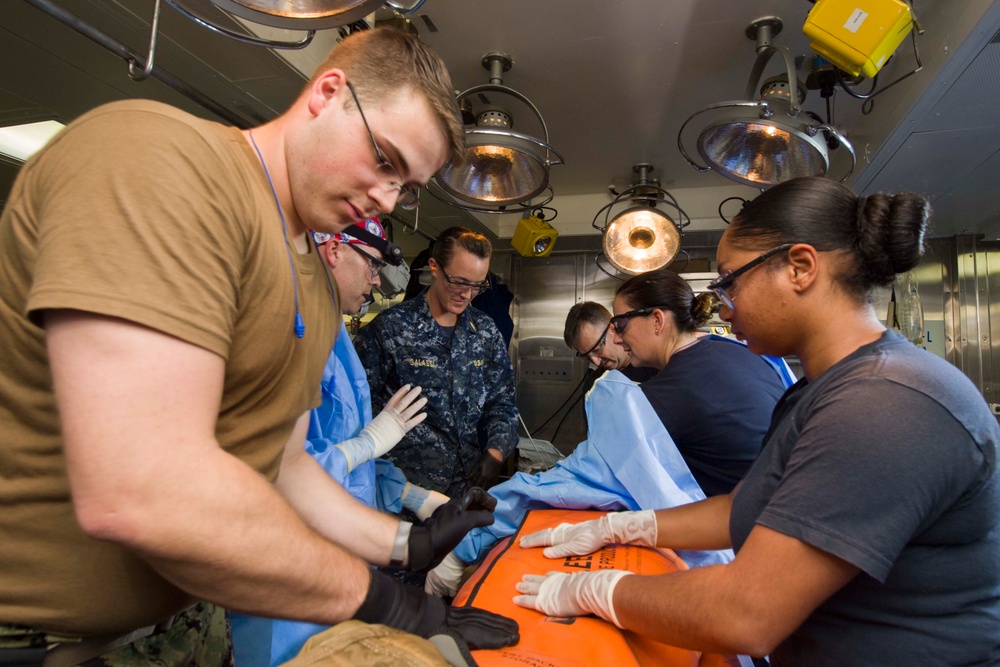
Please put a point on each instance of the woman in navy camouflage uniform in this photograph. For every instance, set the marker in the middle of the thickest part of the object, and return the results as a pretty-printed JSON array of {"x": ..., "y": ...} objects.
[{"x": 436, "y": 341}]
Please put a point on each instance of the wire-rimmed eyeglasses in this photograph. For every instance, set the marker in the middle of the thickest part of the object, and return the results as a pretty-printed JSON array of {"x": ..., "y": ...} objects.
[
  {"x": 723, "y": 284},
  {"x": 388, "y": 175}
]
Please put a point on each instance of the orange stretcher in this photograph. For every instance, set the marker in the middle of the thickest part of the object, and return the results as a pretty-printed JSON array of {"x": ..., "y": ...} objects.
[{"x": 586, "y": 641}]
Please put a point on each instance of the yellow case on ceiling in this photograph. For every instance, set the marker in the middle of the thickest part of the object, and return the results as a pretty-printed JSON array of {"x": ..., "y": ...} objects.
[
  {"x": 529, "y": 232},
  {"x": 858, "y": 36}
]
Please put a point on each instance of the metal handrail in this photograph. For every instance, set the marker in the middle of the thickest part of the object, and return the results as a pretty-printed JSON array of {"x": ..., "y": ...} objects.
[{"x": 126, "y": 54}]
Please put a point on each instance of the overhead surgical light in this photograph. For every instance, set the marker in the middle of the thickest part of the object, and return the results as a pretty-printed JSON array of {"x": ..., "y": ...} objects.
[
  {"x": 766, "y": 141},
  {"x": 300, "y": 14},
  {"x": 308, "y": 15},
  {"x": 641, "y": 237},
  {"x": 503, "y": 170}
]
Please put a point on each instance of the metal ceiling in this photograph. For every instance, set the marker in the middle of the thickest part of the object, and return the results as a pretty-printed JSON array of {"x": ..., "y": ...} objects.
[{"x": 614, "y": 81}]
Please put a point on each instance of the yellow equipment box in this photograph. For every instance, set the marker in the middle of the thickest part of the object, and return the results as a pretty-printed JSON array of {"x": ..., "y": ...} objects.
[
  {"x": 534, "y": 237},
  {"x": 858, "y": 36}
]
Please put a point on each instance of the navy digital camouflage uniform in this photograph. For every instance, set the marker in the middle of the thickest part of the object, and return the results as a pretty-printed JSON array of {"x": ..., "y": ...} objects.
[
  {"x": 198, "y": 636},
  {"x": 466, "y": 377}
]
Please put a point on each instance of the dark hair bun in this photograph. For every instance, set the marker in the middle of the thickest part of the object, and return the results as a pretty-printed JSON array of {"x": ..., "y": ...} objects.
[
  {"x": 702, "y": 307},
  {"x": 891, "y": 231}
]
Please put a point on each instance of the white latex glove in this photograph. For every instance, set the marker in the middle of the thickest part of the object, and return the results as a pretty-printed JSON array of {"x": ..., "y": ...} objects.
[
  {"x": 580, "y": 539},
  {"x": 564, "y": 594},
  {"x": 444, "y": 580},
  {"x": 384, "y": 432}
]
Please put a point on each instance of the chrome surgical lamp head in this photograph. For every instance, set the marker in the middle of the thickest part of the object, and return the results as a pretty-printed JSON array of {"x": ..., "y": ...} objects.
[
  {"x": 304, "y": 14},
  {"x": 308, "y": 15},
  {"x": 503, "y": 170},
  {"x": 641, "y": 236},
  {"x": 766, "y": 141}
]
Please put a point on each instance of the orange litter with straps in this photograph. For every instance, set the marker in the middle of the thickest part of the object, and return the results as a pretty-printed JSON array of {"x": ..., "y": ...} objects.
[{"x": 571, "y": 642}]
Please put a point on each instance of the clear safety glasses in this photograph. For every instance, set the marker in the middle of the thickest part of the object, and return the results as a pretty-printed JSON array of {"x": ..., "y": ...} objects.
[
  {"x": 598, "y": 346},
  {"x": 371, "y": 263},
  {"x": 461, "y": 286},
  {"x": 723, "y": 285}
]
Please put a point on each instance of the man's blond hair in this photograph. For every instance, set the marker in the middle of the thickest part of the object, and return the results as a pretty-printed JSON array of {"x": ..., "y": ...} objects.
[{"x": 384, "y": 61}]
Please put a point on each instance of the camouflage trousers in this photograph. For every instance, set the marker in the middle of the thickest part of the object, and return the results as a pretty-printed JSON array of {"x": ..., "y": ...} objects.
[{"x": 199, "y": 636}]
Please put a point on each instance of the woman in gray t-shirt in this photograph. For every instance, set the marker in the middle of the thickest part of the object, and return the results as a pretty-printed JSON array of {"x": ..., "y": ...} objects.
[{"x": 868, "y": 530}]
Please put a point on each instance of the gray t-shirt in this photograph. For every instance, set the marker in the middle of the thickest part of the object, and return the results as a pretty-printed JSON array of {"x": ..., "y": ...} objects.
[{"x": 888, "y": 461}]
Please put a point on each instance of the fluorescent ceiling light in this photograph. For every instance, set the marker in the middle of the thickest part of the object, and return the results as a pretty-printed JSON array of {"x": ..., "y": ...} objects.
[{"x": 22, "y": 141}]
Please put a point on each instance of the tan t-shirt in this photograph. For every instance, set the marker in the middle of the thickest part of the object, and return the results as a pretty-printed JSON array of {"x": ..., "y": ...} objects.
[{"x": 142, "y": 212}]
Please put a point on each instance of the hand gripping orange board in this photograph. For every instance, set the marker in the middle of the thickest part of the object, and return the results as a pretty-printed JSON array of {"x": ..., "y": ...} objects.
[{"x": 571, "y": 642}]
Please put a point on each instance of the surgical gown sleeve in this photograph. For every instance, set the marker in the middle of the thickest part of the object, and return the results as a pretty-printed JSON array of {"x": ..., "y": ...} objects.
[
  {"x": 389, "y": 484},
  {"x": 629, "y": 462},
  {"x": 370, "y": 346}
]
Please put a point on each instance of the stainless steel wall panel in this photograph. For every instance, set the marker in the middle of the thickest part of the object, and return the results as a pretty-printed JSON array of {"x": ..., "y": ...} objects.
[
  {"x": 989, "y": 319},
  {"x": 545, "y": 287},
  {"x": 547, "y": 370},
  {"x": 545, "y": 360},
  {"x": 968, "y": 356},
  {"x": 934, "y": 280},
  {"x": 968, "y": 296},
  {"x": 981, "y": 309},
  {"x": 597, "y": 285}
]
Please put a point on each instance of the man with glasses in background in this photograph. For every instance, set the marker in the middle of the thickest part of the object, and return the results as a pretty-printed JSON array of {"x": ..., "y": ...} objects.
[
  {"x": 457, "y": 355},
  {"x": 588, "y": 333},
  {"x": 166, "y": 321}
]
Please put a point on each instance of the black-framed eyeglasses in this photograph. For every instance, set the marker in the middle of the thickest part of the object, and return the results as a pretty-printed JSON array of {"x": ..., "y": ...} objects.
[
  {"x": 620, "y": 322},
  {"x": 597, "y": 346},
  {"x": 461, "y": 286},
  {"x": 371, "y": 263},
  {"x": 722, "y": 285},
  {"x": 388, "y": 175}
]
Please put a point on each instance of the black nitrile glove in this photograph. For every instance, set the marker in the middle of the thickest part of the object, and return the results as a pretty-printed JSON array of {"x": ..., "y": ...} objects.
[
  {"x": 432, "y": 540},
  {"x": 481, "y": 628},
  {"x": 397, "y": 605},
  {"x": 486, "y": 471}
]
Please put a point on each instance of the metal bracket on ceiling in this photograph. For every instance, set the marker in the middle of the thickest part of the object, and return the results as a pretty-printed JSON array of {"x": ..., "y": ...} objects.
[
  {"x": 133, "y": 66},
  {"x": 73, "y": 22},
  {"x": 141, "y": 75}
]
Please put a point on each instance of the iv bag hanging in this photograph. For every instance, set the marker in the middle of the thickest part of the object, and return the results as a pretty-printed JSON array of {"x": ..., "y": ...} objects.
[{"x": 909, "y": 312}]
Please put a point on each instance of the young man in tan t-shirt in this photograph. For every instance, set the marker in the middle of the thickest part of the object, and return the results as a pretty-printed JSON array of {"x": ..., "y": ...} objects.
[{"x": 166, "y": 320}]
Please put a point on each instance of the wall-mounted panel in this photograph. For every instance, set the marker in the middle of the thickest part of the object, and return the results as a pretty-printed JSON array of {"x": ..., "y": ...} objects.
[{"x": 547, "y": 370}]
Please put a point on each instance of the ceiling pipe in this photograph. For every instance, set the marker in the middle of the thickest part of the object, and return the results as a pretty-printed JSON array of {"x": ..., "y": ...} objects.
[{"x": 129, "y": 56}]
